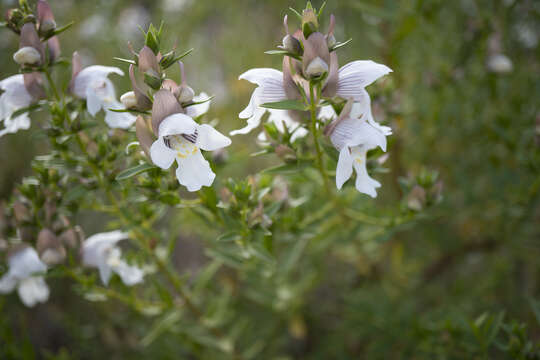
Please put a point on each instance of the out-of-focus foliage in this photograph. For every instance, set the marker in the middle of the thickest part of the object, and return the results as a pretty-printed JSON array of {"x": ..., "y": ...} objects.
[{"x": 452, "y": 272}]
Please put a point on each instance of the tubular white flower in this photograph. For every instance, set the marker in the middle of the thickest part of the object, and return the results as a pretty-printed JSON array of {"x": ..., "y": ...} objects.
[
  {"x": 182, "y": 139},
  {"x": 93, "y": 85},
  {"x": 14, "y": 97},
  {"x": 27, "y": 55},
  {"x": 270, "y": 89},
  {"x": 24, "y": 272},
  {"x": 100, "y": 251},
  {"x": 353, "y": 136}
]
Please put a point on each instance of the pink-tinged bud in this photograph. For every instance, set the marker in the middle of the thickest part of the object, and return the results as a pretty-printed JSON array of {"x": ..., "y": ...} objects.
[
  {"x": 331, "y": 86},
  {"x": 70, "y": 238},
  {"x": 165, "y": 104},
  {"x": 53, "y": 45},
  {"x": 50, "y": 248},
  {"x": 29, "y": 39},
  {"x": 45, "y": 17},
  {"x": 330, "y": 38},
  {"x": 27, "y": 56},
  {"x": 148, "y": 63},
  {"x": 185, "y": 94},
  {"x": 315, "y": 47},
  {"x": 76, "y": 67},
  {"x": 144, "y": 135},
  {"x": 33, "y": 82},
  {"x": 143, "y": 102}
]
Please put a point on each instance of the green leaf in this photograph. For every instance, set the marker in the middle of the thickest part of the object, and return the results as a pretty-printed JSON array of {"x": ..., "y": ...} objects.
[
  {"x": 58, "y": 31},
  {"x": 161, "y": 326},
  {"x": 287, "y": 168},
  {"x": 167, "y": 62},
  {"x": 283, "y": 52},
  {"x": 139, "y": 169},
  {"x": 25, "y": 110},
  {"x": 296, "y": 13},
  {"x": 199, "y": 102},
  {"x": 339, "y": 45},
  {"x": 130, "y": 111},
  {"x": 286, "y": 105},
  {"x": 229, "y": 236},
  {"x": 74, "y": 194},
  {"x": 133, "y": 62}
]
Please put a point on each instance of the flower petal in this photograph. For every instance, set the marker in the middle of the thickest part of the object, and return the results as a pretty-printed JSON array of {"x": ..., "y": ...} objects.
[
  {"x": 130, "y": 275},
  {"x": 364, "y": 183},
  {"x": 344, "y": 167},
  {"x": 94, "y": 246},
  {"x": 120, "y": 120},
  {"x": 194, "y": 172},
  {"x": 210, "y": 139},
  {"x": 161, "y": 154},
  {"x": 33, "y": 290},
  {"x": 7, "y": 283},
  {"x": 200, "y": 109},
  {"x": 177, "y": 124},
  {"x": 90, "y": 74},
  {"x": 253, "y": 122},
  {"x": 356, "y": 75}
]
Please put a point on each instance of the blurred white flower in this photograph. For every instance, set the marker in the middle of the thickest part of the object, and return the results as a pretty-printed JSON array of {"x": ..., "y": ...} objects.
[
  {"x": 499, "y": 63},
  {"x": 92, "y": 84},
  {"x": 175, "y": 5},
  {"x": 14, "y": 97},
  {"x": 180, "y": 138},
  {"x": 353, "y": 134},
  {"x": 25, "y": 274},
  {"x": 100, "y": 251},
  {"x": 132, "y": 19},
  {"x": 92, "y": 26}
]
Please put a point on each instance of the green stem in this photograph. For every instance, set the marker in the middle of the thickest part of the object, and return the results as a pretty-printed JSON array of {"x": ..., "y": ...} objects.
[
  {"x": 51, "y": 84},
  {"x": 315, "y": 133}
]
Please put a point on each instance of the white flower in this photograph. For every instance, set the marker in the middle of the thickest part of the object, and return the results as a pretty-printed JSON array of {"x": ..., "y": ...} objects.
[
  {"x": 500, "y": 64},
  {"x": 25, "y": 269},
  {"x": 27, "y": 55},
  {"x": 92, "y": 84},
  {"x": 100, "y": 251},
  {"x": 354, "y": 134},
  {"x": 270, "y": 89},
  {"x": 181, "y": 138},
  {"x": 14, "y": 97}
]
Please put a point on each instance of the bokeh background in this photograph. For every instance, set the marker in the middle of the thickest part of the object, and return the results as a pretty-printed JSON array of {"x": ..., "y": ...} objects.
[{"x": 456, "y": 107}]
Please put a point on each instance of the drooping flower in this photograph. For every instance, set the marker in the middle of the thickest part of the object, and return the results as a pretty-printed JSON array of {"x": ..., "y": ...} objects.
[
  {"x": 100, "y": 251},
  {"x": 92, "y": 84},
  {"x": 15, "y": 96},
  {"x": 180, "y": 138},
  {"x": 26, "y": 274},
  {"x": 353, "y": 134}
]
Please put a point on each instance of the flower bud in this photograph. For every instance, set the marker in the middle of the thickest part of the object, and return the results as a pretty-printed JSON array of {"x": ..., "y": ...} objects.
[
  {"x": 144, "y": 135},
  {"x": 316, "y": 68},
  {"x": 331, "y": 41},
  {"x": 416, "y": 200},
  {"x": 292, "y": 45},
  {"x": 47, "y": 25},
  {"x": 310, "y": 22},
  {"x": 185, "y": 94},
  {"x": 27, "y": 56},
  {"x": 50, "y": 248},
  {"x": 129, "y": 100}
]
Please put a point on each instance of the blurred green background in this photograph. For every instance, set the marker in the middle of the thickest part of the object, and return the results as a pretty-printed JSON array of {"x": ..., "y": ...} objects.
[{"x": 452, "y": 110}]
